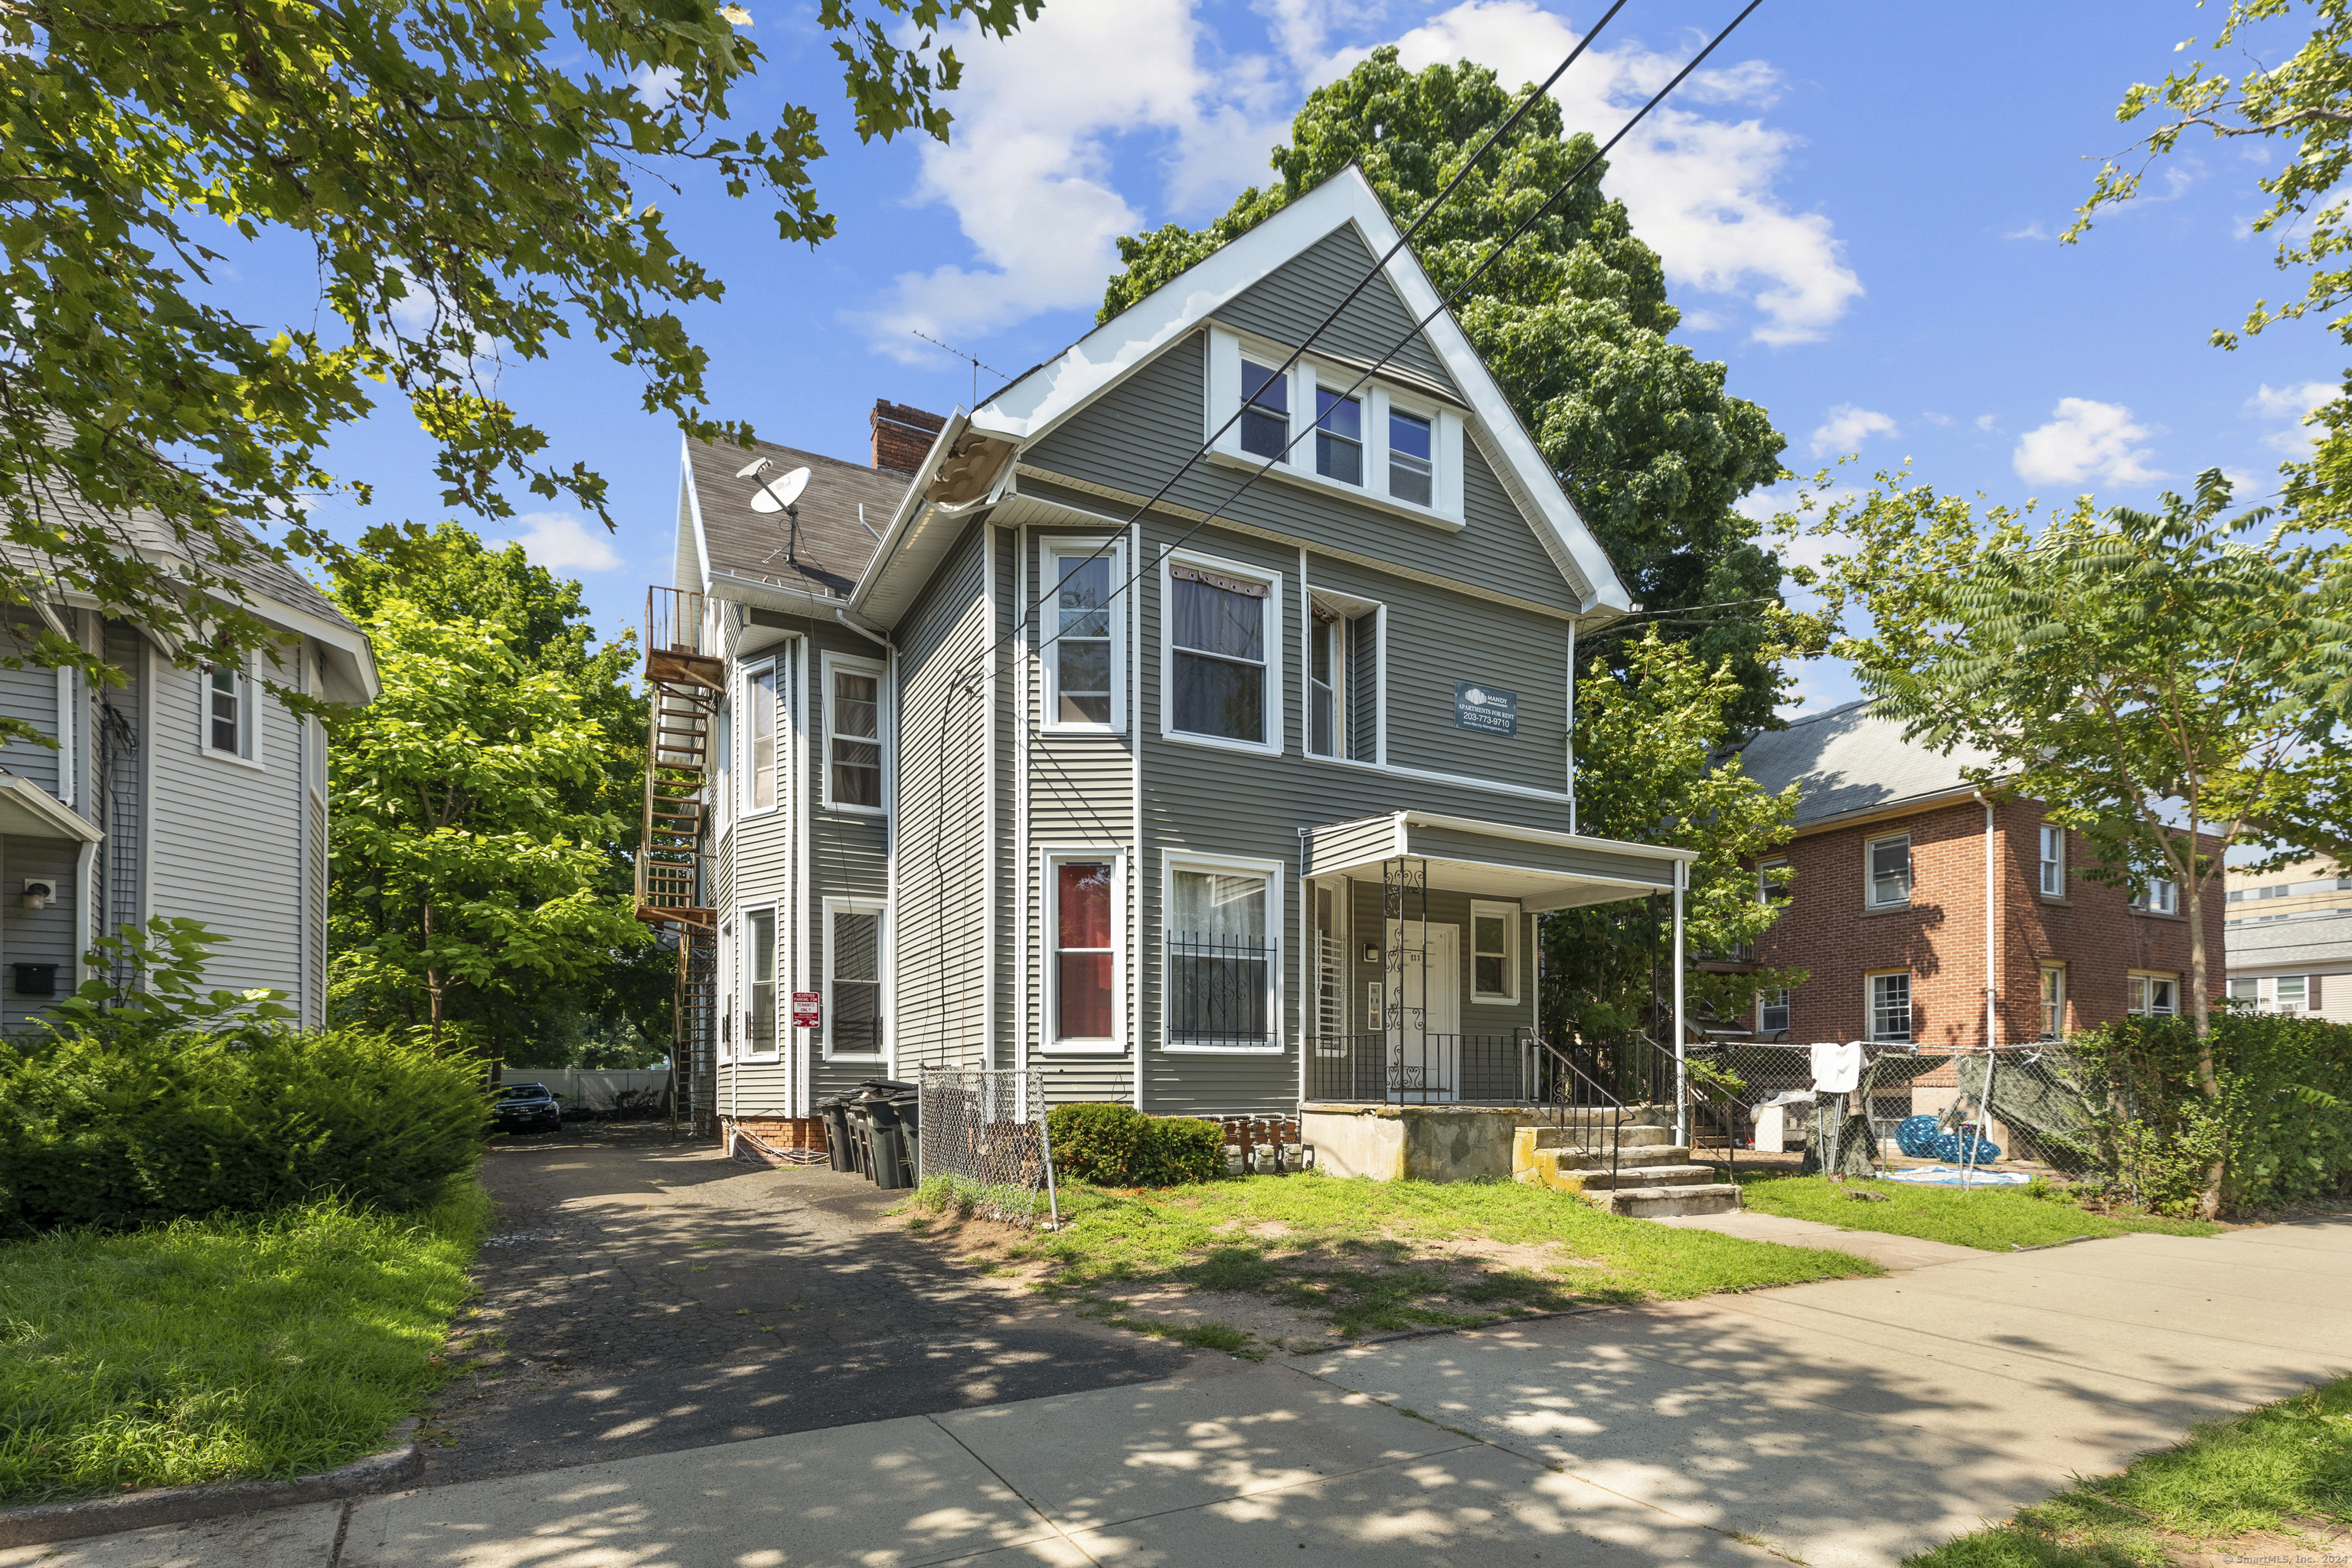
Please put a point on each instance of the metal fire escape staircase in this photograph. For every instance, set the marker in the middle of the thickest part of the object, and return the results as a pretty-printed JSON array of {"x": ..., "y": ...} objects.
[{"x": 684, "y": 679}]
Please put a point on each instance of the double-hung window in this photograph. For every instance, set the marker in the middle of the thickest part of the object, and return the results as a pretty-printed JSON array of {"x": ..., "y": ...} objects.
[
  {"x": 1890, "y": 871},
  {"x": 2246, "y": 993},
  {"x": 1494, "y": 952},
  {"x": 2154, "y": 995},
  {"x": 1339, "y": 437},
  {"x": 1082, "y": 892},
  {"x": 1086, "y": 657},
  {"x": 760, "y": 738},
  {"x": 2158, "y": 896},
  {"x": 1219, "y": 648},
  {"x": 1327, "y": 683},
  {"x": 853, "y": 979},
  {"x": 2291, "y": 993},
  {"x": 229, "y": 709},
  {"x": 760, "y": 983},
  {"x": 1265, "y": 411},
  {"x": 853, "y": 733},
  {"x": 2053, "y": 1002},
  {"x": 1773, "y": 1010},
  {"x": 2053, "y": 862},
  {"x": 1890, "y": 1006},
  {"x": 1411, "y": 458},
  {"x": 1222, "y": 957},
  {"x": 1772, "y": 883}
]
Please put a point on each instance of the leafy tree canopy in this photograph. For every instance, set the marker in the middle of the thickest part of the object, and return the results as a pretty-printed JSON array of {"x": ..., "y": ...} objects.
[
  {"x": 474, "y": 181},
  {"x": 1575, "y": 322}
]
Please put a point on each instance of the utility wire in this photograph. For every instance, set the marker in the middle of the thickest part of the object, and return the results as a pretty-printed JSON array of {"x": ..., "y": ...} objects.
[
  {"x": 1162, "y": 552},
  {"x": 1378, "y": 268}
]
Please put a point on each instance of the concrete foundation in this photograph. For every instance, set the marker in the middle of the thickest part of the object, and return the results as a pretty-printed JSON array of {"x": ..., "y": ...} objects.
[{"x": 1412, "y": 1143}]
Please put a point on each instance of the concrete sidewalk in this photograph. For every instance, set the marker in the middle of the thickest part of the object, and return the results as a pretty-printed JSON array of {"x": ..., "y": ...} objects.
[{"x": 1847, "y": 1424}]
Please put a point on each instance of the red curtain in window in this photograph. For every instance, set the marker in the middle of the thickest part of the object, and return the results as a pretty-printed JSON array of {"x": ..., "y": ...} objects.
[{"x": 1082, "y": 963}]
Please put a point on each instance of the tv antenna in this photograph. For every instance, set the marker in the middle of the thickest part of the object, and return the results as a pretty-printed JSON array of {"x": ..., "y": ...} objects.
[
  {"x": 778, "y": 495},
  {"x": 977, "y": 365}
]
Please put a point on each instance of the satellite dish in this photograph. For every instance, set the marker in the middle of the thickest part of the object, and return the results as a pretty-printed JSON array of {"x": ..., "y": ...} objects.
[
  {"x": 753, "y": 469},
  {"x": 779, "y": 495}
]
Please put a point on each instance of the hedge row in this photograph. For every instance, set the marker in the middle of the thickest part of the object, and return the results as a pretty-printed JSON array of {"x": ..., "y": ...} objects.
[{"x": 1119, "y": 1146}]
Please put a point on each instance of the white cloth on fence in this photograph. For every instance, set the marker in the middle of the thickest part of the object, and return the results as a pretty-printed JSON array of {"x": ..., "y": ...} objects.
[{"x": 1837, "y": 1068}]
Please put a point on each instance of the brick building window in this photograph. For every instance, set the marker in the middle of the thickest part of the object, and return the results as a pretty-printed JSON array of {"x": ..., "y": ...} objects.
[
  {"x": 2160, "y": 897},
  {"x": 1890, "y": 871},
  {"x": 1772, "y": 882},
  {"x": 2154, "y": 995},
  {"x": 2053, "y": 1002},
  {"x": 1890, "y": 1006},
  {"x": 1773, "y": 1010},
  {"x": 2053, "y": 862}
]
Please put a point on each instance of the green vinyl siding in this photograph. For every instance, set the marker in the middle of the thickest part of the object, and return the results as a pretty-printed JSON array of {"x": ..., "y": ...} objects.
[{"x": 1293, "y": 299}]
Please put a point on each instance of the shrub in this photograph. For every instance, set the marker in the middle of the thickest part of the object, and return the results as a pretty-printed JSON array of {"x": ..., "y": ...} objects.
[
  {"x": 131, "y": 1127},
  {"x": 1119, "y": 1146}
]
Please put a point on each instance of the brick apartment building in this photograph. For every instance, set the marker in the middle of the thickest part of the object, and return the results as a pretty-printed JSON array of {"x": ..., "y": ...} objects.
[{"x": 1897, "y": 872}]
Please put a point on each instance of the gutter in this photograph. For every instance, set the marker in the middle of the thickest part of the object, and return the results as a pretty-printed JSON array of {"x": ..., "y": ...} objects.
[{"x": 911, "y": 508}]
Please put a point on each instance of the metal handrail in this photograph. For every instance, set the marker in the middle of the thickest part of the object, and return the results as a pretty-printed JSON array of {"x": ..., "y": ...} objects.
[{"x": 1560, "y": 1120}]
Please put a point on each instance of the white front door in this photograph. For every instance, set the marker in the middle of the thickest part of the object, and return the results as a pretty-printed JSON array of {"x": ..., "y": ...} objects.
[{"x": 1424, "y": 1022}]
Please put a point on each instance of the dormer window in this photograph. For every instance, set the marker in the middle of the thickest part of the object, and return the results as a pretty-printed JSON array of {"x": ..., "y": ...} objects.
[
  {"x": 1384, "y": 438},
  {"x": 1339, "y": 437}
]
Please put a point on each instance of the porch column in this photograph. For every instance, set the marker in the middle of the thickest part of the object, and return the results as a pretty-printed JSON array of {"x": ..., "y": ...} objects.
[{"x": 1682, "y": 1098}]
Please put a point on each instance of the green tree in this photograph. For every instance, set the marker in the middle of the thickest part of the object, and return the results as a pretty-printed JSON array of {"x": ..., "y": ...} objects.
[
  {"x": 473, "y": 181},
  {"x": 1575, "y": 322},
  {"x": 1653, "y": 767},
  {"x": 2159, "y": 685},
  {"x": 469, "y": 870},
  {"x": 619, "y": 1015}
]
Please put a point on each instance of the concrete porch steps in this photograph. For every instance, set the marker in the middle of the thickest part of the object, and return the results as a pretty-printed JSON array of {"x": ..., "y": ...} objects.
[{"x": 1653, "y": 1178}]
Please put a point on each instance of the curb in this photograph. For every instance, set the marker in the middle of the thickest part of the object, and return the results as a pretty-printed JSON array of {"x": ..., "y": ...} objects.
[{"x": 48, "y": 1521}]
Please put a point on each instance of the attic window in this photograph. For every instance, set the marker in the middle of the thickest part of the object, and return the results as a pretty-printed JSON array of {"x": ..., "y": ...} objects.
[{"x": 1387, "y": 443}]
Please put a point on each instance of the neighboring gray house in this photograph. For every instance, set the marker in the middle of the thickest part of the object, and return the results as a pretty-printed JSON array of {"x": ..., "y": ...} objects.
[
  {"x": 2300, "y": 963},
  {"x": 1207, "y": 817},
  {"x": 189, "y": 793}
]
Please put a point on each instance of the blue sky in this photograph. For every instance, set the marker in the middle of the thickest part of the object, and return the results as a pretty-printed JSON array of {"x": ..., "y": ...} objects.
[{"x": 1857, "y": 211}]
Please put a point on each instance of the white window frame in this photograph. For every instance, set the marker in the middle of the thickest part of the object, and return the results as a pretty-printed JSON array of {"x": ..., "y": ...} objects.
[
  {"x": 746, "y": 922},
  {"x": 248, "y": 715},
  {"x": 880, "y": 910},
  {"x": 2303, "y": 993},
  {"x": 1765, "y": 883},
  {"x": 1316, "y": 379},
  {"x": 2137, "y": 993},
  {"x": 854, "y": 665},
  {"x": 1049, "y": 923},
  {"x": 1870, "y": 1005},
  {"x": 1786, "y": 995},
  {"x": 1870, "y": 898},
  {"x": 774, "y": 667},
  {"x": 1272, "y": 746},
  {"x": 1051, "y": 550},
  {"x": 729, "y": 968},
  {"x": 2146, "y": 899},
  {"x": 2051, "y": 866},
  {"x": 2054, "y": 1008},
  {"x": 1447, "y": 432},
  {"x": 1276, "y": 920},
  {"x": 1511, "y": 916}
]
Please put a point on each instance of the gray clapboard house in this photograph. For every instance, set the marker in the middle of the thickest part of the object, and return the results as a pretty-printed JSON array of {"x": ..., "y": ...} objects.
[
  {"x": 1212, "y": 807},
  {"x": 182, "y": 791}
]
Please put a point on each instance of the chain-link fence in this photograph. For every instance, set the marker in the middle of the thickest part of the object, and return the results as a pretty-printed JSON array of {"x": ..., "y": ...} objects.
[
  {"x": 984, "y": 1131},
  {"x": 2009, "y": 1113}
]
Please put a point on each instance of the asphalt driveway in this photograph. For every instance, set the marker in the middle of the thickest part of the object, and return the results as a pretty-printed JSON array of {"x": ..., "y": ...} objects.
[{"x": 642, "y": 1295}]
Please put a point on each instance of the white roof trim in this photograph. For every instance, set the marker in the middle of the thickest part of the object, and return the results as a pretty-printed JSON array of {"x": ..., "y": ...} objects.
[
  {"x": 911, "y": 508},
  {"x": 31, "y": 812},
  {"x": 1043, "y": 398},
  {"x": 694, "y": 513}
]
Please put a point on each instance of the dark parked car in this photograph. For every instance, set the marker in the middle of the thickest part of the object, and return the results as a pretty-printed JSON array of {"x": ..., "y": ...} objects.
[{"x": 528, "y": 1107}]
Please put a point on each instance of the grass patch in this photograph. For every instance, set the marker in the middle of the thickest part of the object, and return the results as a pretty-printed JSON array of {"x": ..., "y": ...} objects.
[
  {"x": 1994, "y": 1218},
  {"x": 1368, "y": 1254},
  {"x": 2243, "y": 1482},
  {"x": 207, "y": 1350}
]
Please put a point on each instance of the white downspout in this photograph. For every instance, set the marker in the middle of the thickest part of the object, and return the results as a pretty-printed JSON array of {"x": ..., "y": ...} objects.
[
  {"x": 1682, "y": 1096},
  {"x": 1992, "y": 966},
  {"x": 1571, "y": 728}
]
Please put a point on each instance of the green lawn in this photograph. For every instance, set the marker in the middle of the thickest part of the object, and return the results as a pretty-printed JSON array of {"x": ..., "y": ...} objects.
[
  {"x": 1358, "y": 1252},
  {"x": 1994, "y": 1218},
  {"x": 2233, "y": 1490},
  {"x": 212, "y": 1348}
]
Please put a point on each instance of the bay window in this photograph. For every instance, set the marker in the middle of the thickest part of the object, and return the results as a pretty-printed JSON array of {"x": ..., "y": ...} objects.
[
  {"x": 853, "y": 730},
  {"x": 1222, "y": 957},
  {"x": 1219, "y": 657}
]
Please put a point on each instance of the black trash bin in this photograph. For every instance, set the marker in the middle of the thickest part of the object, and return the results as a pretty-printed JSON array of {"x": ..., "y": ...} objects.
[
  {"x": 838, "y": 1147},
  {"x": 886, "y": 1115}
]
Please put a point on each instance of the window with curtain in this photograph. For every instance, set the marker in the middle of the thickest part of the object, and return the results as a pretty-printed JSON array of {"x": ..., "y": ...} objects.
[
  {"x": 1265, "y": 410},
  {"x": 760, "y": 736},
  {"x": 1216, "y": 635},
  {"x": 2156, "y": 996},
  {"x": 856, "y": 737},
  {"x": 854, "y": 982},
  {"x": 1339, "y": 437},
  {"x": 1083, "y": 953},
  {"x": 1084, "y": 650},
  {"x": 1219, "y": 972}
]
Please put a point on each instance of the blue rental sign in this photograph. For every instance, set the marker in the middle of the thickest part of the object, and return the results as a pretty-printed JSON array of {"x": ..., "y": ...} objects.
[{"x": 1484, "y": 708}]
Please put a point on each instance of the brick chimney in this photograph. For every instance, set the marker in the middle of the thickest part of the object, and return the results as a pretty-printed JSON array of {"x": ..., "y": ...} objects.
[{"x": 902, "y": 434}]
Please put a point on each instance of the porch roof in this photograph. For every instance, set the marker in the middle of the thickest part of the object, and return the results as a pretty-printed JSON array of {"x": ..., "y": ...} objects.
[{"x": 1540, "y": 869}]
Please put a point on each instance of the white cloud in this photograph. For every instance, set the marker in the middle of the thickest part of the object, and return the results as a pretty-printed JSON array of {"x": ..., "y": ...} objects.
[
  {"x": 2030, "y": 231},
  {"x": 2085, "y": 440},
  {"x": 1940, "y": 421},
  {"x": 1848, "y": 427},
  {"x": 559, "y": 541},
  {"x": 1700, "y": 189},
  {"x": 1029, "y": 175},
  {"x": 1986, "y": 422},
  {"x": 2290, "y": 404},
  {"x": 656, "y": 86}
]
